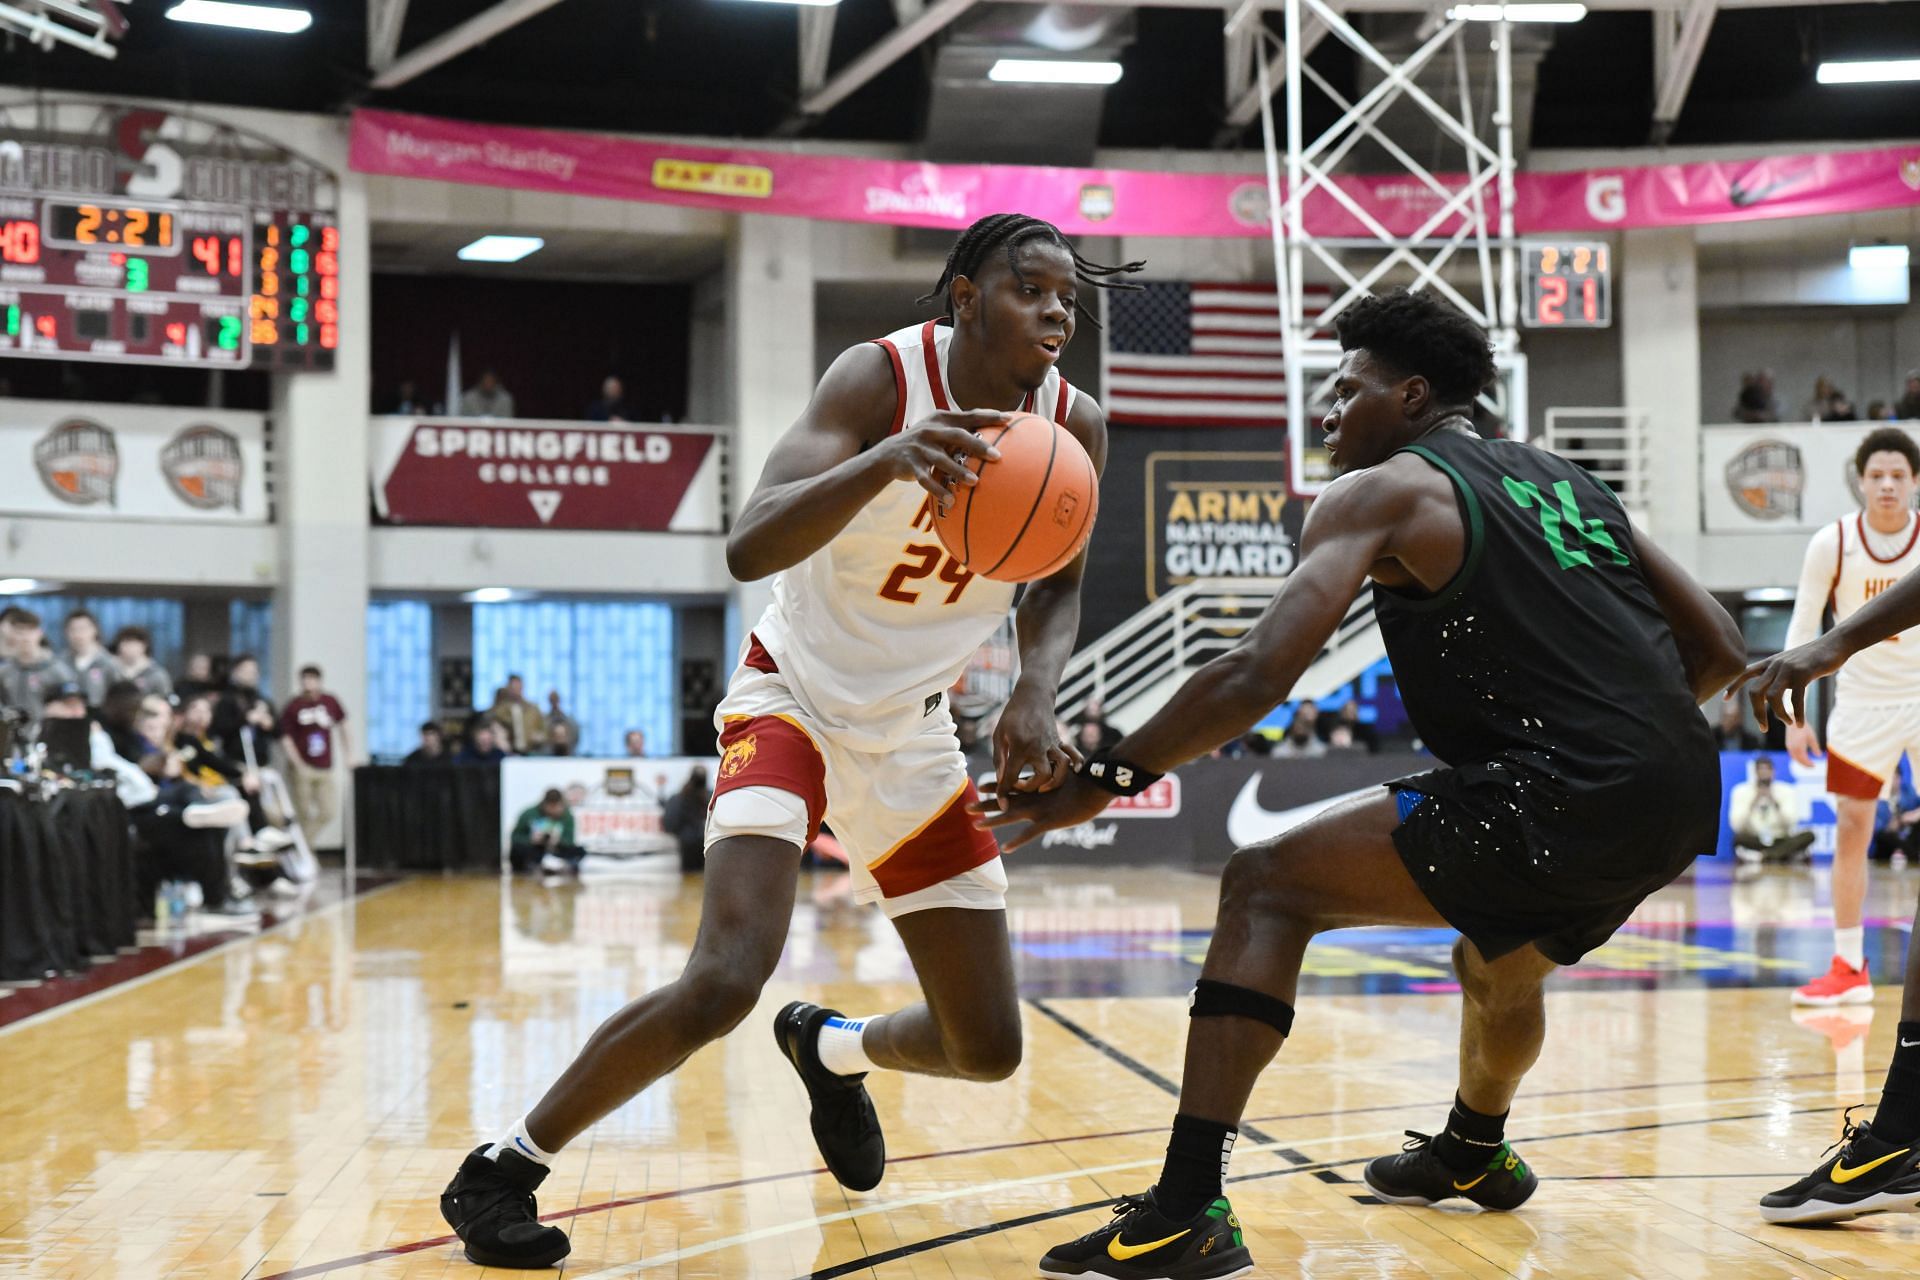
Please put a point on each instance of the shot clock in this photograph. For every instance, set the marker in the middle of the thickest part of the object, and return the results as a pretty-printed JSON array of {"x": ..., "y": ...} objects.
[{"x": 1569, "y": 285}]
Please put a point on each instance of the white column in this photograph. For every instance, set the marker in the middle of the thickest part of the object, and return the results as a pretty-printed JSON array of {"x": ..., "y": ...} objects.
[
  {"x": 1660, "y": 368},
  {"x": 320, "y": 489},
  {"x": 769, "y": 371}
]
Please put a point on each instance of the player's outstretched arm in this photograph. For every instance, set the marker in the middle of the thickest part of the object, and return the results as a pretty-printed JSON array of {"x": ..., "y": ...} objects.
[
  {"x": 1770, "y": 682},
  {"x": 838, "y": 456},
  {"x": 1711, "y": 647}
]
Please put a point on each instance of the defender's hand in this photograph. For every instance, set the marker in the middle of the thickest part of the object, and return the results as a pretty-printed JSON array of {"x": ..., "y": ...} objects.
[
  {"x": 1801, "y": 744},
  {"x": 1789, "y": 673},
  {"x": 932, "y": 450},
  {"x": 1066, "y": 806},
  {"x": 1028, "y": 738}
]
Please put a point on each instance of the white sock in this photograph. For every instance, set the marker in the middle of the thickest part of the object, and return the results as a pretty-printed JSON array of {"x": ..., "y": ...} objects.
[
  {"x": 841, "y": 1049},
  {"x": 1851, "y": 945},
  {"x": 520, "y": 1144}
]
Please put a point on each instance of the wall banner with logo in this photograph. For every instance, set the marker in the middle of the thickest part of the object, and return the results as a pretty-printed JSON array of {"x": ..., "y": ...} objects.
[
  {"x": 132, "y": 462},
  {"x": 617, "y": 805},
  {"x": 1776, "y": 478},
  {"x": 497, "y": 473}
]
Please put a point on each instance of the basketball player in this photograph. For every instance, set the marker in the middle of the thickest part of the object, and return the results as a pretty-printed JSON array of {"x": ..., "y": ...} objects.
[
  {"x": 1548, "y": 653},
  {"x": 839, "y": 708},
  {"x": 1876, "y": 716},
  {"x": 1877, "y": 1168}
]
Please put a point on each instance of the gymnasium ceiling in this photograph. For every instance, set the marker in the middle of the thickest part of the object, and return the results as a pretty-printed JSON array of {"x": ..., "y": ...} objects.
[{"x": 731, "y": 69}]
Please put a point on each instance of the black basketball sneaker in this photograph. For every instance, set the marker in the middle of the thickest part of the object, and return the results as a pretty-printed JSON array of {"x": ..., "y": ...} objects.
[
  {"x": 1141, "y": 1243},
  {"x": 1419, "y": 1176},
  {"x": 845, "y": 1126},
  {"x": 1865, "y": 1176},
  {"x": 490, "y": 1206}
]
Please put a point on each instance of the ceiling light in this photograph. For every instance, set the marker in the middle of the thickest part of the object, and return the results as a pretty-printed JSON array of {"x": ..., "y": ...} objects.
[
  {"x": 1769, "y": 595},
  {"x": 1877, "y": 257},
  {"x": 18, "y": 586},
  {"x": 501, "y": 248},
  {"x": 1518, "y": 12},
  {"x": 821, "y": 4},
  {"x": 247, "y": 17},
  {"x": 1041, "y": 71},
  {"x": 1889, "y": 71},
  {"x": 488, "y": 595}
]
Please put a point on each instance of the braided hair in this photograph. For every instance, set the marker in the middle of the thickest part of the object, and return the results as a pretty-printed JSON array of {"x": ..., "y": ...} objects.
[{"x": 1011, "y": 230}]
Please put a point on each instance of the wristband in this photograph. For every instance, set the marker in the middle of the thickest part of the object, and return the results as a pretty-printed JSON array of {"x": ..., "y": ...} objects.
[{"x": 1117, "y": 776}]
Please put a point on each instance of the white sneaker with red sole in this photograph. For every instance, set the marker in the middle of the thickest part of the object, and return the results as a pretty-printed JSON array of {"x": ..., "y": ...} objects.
[{"x": 1840, "y": 984}]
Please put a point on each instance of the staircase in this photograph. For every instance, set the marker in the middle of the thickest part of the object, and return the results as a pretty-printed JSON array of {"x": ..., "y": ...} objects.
[{"x": 1133, "y": 669}]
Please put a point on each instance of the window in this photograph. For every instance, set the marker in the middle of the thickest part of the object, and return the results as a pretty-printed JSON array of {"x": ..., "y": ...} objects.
[
  {"x": 400, "y": 692},
  {"x": 612, "y": 661}
]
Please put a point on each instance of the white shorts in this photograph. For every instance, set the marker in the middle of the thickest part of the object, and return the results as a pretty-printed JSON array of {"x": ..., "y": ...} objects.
[
  {"x": 901, "y": 815},
  {"x": 1865, "y": 743}
]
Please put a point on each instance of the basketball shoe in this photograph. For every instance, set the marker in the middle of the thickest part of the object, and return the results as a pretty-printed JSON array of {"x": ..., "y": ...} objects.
[
  {"x": 1840, "y": 984},
  {"x": 1141, "y": 1243},
  {"x": 1865, "y": 1176},
  {"x": 845, "y": 1125},
  {"x": 1419, "y": 1176},
  {"x": 490, "y": 1206}
]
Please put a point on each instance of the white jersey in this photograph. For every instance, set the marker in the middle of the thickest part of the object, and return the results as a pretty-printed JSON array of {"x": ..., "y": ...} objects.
[
  {"x": 872, "y": 629},
  {"x": 1848, "y": 563}
]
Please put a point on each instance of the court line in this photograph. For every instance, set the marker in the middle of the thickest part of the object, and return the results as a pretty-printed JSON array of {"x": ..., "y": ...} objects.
[{"x": 188, "y": 962}]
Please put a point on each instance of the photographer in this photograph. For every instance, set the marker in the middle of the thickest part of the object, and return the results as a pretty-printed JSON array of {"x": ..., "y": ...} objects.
[
  {"x": 1765, "y": 818},
  {"x": 543, "y": 837}
]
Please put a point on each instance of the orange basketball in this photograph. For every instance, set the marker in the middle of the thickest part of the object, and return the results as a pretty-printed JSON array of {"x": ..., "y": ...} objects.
[{"x": 1032, "y": 510}]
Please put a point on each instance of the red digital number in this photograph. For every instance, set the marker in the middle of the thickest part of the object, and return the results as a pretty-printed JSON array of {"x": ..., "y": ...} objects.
[
  {"x": 1590, "y": 299},
  {"x": 206, "y": 250},
  {"x": 329, "y": 239},
  {"x": 326, "y": 264},
  {"x": 1552, "y": 308},
  {"x": 329, "y": 336},
  {"x": 236, "y": 257},
  {"x": 20, "y": 242}
]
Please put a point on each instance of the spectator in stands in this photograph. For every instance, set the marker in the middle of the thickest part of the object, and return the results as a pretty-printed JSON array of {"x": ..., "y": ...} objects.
[
  {"x": 1879, "y": 411},
  {"x": 543, "y": 837},
  {"x": 407, "y": 399},
  {"x": 1756, "y": 402},
  {"x": 243, "y": 717},
  {"x": 88, "y": 657},
  {"x": 1091, "y": 732},
  {"x": 1908, "y": 405},
  {"x": 1358, "y": 733},
  {"x": 1766, "y": 818},
  {"x": 557, "y": 717},
  {"x": 220, "y": 776},
  {"x": 523, "y": 730},
  {"x": 684, "y": 817},
  {"x": 612, "y": 404},
  {"x": 637, "y": 743},
  {"x": 1302, "y": 737},
  {"x": 1840, "y": 409},
  {"x": 486, "y": 398},
  {"x": 197, "y": 677},
  {"x": 133, "y": 653},
  {"x": 313, "y": 727},
  {"x": 432, "y": 749},
  {"x": 559, "y": 739},
  {"x": 30, "y": 671},
  {"x": 1897, "y": 825},
  {"x": 1733, "y": 733},
  {"x": 481, "y": 747},
  {"x": 1820, "y": 407}
]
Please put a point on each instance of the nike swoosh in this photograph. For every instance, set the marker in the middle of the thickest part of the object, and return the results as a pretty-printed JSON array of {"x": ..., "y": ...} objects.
[
  {"x": 1122, "y": 1252},
  {"x": 1843, "y": 1174},
  {"x": 1742, "y": 197},
  {"x": 1248, "y": 822},
  {"x": 1909, "y": 1044},
  {"x": 1468, "y": 1186}
]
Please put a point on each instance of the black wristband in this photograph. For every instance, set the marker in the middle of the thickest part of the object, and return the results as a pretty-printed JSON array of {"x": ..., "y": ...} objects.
[{"x": 1117, "y": 776}]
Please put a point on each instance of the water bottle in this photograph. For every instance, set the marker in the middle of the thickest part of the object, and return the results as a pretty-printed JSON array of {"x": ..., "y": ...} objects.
[{"x": 162, "y": 905}]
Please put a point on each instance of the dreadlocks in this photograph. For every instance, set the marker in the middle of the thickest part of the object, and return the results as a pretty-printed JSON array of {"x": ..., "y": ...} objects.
[{"x": 1012, "y": 230}]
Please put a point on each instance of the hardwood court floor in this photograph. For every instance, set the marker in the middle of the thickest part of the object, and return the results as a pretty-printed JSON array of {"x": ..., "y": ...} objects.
[{"x": 290, "y": 1106}]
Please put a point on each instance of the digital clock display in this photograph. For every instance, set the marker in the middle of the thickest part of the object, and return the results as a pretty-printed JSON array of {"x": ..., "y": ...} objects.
[
  {"x": 129, "y": 228},
  {"x": 1569, "y": 285}
]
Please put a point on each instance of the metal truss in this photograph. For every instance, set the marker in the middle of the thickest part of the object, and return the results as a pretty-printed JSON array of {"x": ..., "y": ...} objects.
[{"x": 89, "y": 25}]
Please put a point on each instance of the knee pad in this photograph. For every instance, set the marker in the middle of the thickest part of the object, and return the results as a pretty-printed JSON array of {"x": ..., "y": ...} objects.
[
  {"x": 1224, "y": 1000},
  {"x": 758, "y": 811}
]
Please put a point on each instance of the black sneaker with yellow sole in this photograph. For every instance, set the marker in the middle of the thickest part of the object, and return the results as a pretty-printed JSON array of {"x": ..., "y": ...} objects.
[
  {"x": 1866, "y": 1175},
  {"x": 1141, "y": 1243},
  {"x": 1417, "y": 1175},
  {"x": 845, "y": 1126}
]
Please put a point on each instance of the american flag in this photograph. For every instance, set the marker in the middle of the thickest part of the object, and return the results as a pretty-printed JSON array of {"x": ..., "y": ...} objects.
[{"x": 1198, "y": 355}]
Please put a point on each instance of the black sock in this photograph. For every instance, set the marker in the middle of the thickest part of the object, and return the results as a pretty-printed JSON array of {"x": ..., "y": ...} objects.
[
  {"x": 1470, "y": 1139},
  {"x": 1196, "y": 1162},
  {"x": 1898, "y": 1118}
]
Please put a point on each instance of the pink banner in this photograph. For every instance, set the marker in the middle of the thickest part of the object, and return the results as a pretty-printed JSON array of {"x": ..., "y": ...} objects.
[{"x": 1108, "y": 201}]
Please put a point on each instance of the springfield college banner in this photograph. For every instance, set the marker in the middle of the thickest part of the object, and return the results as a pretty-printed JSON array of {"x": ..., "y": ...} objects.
[
  {"x": 132, "y": 462},
  {"x": 519, "y": 474}
]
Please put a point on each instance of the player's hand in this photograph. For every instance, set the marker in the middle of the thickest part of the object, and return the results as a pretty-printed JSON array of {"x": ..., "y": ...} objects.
[
  {"x": 932, "y": 451},
  {"x": 1801, "y": 744},
  {"x": 1028, "y": 752},
  {"x": 1773, "y": 679},
  {"x": 1070, "y": 805}
]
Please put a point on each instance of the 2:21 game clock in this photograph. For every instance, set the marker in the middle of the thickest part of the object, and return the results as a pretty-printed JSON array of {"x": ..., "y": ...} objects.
[{"x": 1569, "y": 285}]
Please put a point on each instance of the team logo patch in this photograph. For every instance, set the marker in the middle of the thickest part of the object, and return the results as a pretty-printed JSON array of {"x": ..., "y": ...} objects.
[
  {"x": 739, "y": 755},
  {"x": 1766, "y": 480},
  {"x": 1248, "y": 204},
  {"x": 1096, "y": 202},
  {"x": 203, "y": 467},
  {"x": 78, "y": 462},
  {"x": 619, "y": 782},
  {"x": 1063, "y": 509}
]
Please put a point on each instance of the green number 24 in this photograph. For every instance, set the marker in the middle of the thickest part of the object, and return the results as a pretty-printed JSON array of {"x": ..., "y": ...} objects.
[{"x": 1556, "y": 521}]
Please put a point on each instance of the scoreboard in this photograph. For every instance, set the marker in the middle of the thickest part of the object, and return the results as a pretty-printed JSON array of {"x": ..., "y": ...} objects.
[
  {"x": 248, "y": 278},
  {"x": 1569, "y": 285}
]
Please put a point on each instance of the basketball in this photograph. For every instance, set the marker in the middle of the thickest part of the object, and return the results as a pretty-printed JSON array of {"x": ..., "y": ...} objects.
[{"x": 1032, "y": 510}]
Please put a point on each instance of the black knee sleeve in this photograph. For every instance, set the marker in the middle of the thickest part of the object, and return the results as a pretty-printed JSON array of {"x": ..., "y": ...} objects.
[{"x": 1212, "y": 999}]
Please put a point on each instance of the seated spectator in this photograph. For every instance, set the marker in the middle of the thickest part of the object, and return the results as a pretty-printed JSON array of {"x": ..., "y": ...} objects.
[
  {"x": 1302, "y": 738},
  {"x": 219, "y": 776},
  {"x": 1733, "y": 733},
  {"x": 88, "y": 657},
  {"x": 407, "y": 399},
  {"x": 133, "y": 653},
  {"x": 1766, "y": 818},
  {"x": 557, "y": 717},
  {"x": 523, "y": 730},
  {"x": 1879, "y": 411},
  {"x": 637, "y": 743},
  {"x": 1840, "y": 409},
  {"x": 543, "y": 837},
  {"x": 1358, "y": 733},
  {"x": 612, "y": 404},
  {"x": 29, "y": 671},
  {"x": 481, "y": 746},
  {"x": 559, "y": 739},
  {"x": 244, "y": 719},
  {"x": 197, "y": 677},
  {"x": 432, "y": 749},
  {"x": 1091, "y": 732},
  {"x": 1756, "y": 402},
  {"x": 684, "y": 817},
  {"x": 1829, "y": 403},
  {"x": 1897, "y": 819},
  {"x": 1908, "y": 405},
  {"x": 487, "y": 398}
]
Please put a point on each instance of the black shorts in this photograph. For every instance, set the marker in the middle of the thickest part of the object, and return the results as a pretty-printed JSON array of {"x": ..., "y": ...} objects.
[{"x": 1509, "y": 864}]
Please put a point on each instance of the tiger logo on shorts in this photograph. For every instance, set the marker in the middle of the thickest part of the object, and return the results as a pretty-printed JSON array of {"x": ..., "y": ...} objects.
[{"x": 738, "y": 756}]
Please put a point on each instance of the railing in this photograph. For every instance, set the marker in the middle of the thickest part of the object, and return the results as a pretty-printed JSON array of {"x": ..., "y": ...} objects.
[{"x": 1610, "y": 443}]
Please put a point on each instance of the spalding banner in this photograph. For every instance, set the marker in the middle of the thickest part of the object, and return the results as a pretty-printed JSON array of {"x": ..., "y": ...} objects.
[{"x": 512, "y": 474}]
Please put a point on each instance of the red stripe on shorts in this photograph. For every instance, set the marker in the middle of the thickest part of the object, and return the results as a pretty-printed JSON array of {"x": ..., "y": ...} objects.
[
  {"x": 951, "y": 844},
  {"x": 1845, "y": 778},
  {"x": 767, "y": 751}
]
